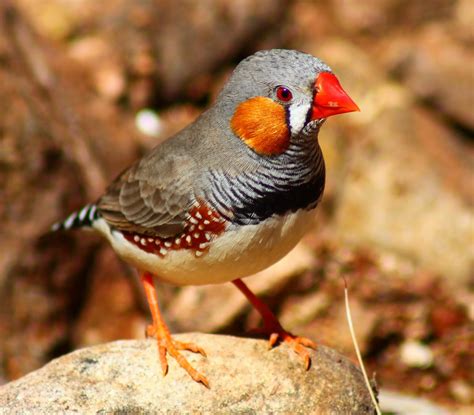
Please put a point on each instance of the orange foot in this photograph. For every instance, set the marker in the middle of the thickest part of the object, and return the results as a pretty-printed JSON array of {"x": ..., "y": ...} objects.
[
  {"x": 273, "y": 327},
  {"x": 166, "y": 344},
  {"x": 297, "y": 343}
]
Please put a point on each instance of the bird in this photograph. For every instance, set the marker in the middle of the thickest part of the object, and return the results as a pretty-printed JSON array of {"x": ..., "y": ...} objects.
[{"x": 230, "y": 194}]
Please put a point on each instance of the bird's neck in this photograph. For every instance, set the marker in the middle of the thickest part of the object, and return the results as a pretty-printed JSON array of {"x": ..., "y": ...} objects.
[{"x": 281, "y": 184}]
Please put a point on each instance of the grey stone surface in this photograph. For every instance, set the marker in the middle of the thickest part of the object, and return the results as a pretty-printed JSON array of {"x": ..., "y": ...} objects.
[{"x": 124, "y": 377}]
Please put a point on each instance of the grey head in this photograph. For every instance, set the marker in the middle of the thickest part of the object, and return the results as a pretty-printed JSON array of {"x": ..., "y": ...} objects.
[{"x": 262, "y": 73}]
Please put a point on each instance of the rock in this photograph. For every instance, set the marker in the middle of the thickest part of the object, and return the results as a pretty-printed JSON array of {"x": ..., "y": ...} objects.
[
  {"x": 360, "y": 16},
  {"x": 429, "y": 62},
  {"x": 55, "y": 156},
  {"x": 415, "y": 354},
  {"x": 400, "y": 404},
  {"x": 124, "y": 377},
  {"x": 164, "y": 49},
  {"x": 404, "y": 173},
  {"x": 462, "y": 391}
]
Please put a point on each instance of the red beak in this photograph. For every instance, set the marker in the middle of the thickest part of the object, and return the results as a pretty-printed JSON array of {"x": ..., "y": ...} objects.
[{"x": 330, "y": 98}]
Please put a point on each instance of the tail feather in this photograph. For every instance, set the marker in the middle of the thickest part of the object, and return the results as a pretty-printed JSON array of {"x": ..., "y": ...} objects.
[{"x": 82, "y": 218}]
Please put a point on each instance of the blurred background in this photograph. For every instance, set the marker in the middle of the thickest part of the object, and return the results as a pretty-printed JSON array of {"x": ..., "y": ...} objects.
[{"x": 86, "y": 87}]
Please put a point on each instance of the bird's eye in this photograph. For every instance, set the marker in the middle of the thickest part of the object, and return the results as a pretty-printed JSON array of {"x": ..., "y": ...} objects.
[{"x": 284, "y": 94}]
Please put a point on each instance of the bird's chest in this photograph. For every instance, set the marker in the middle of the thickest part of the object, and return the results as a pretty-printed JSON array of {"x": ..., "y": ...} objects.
[{"x": 259, "y": 200}]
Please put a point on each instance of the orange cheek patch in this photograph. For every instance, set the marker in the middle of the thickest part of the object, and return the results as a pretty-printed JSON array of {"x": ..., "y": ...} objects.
[{"x": 261, "y": 124}]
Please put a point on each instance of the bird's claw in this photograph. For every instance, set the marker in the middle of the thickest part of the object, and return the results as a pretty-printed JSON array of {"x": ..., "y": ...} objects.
[
  {"x": 297, "y": 343},
  {"x": 167, "y": 345}
]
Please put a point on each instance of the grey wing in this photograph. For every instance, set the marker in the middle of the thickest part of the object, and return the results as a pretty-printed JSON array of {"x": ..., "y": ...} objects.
[{"x": 153, "y": 197}]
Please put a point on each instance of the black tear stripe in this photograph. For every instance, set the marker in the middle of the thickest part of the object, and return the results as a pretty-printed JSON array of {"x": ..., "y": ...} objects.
[{"x": 288, "y": 120}]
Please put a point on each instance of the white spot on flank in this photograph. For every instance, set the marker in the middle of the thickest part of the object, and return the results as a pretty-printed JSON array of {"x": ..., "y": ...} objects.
[
  {"x": 206, "y": 222},
  {"x": 198, "y": 215},
  {"x": 177, "y": 241},
  {"x": 143, "y": 241},
  {"x": 188, "y": 239},
  {"x": 196, "y": 235},
  {"x": 136, "y": 238},
  {"x": 193, "y": 220},
  {"x": 163, "y": 251},
  {"x": 198, "y": 253},
  {"x": 209, "y": 212},
  {"x": 168, "y": 244},
  {"x": 157, "y": 242},
  {"x": 150, "y": 239},
  {"x": 202, "y": 246},
  {"x": 207, "y": 236},
  {"x": 191, "y": 228},
  {"x": 201, "y": 227}
]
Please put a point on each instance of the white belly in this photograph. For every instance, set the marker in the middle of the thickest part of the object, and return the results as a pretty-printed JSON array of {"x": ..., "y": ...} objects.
[{"x": 237, "y": 253}]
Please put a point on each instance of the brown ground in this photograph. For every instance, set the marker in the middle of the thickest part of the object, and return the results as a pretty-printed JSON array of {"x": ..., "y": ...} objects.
[{"x": 396, "y": 221}]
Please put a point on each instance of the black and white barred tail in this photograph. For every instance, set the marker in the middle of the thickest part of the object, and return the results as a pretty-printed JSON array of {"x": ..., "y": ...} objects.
[{"x": 82, "y": 218}]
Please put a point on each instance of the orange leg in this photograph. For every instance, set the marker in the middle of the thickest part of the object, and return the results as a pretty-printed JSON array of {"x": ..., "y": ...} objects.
[
  {"x": 272, "y": 326},
  {"x": 165, "y": 343}
]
